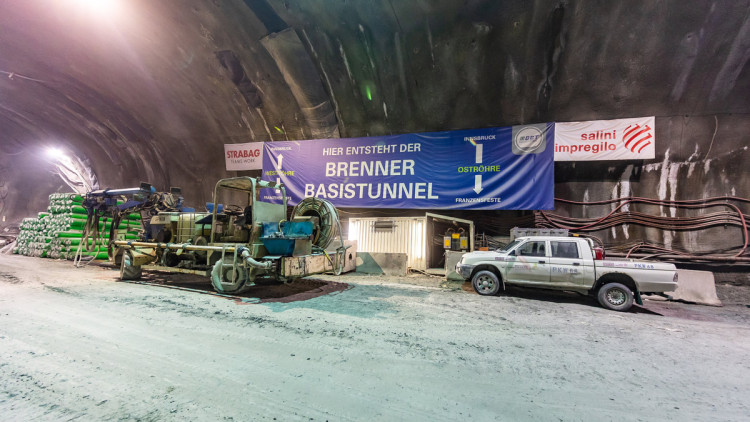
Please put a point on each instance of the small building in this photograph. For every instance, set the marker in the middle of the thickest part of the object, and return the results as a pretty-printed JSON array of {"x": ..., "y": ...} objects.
[{"x": 421, "y": 238}]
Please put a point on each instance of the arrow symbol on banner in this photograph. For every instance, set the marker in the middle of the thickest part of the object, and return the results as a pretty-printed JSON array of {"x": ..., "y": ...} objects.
[
  {"x": 478, "y": 183},
  {"x": 479, "y": 153},
  {"x": 278, "y": 171}
]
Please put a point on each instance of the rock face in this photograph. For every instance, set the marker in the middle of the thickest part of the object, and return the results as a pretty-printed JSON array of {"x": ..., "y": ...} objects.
[{"x": 149, "y": 91}]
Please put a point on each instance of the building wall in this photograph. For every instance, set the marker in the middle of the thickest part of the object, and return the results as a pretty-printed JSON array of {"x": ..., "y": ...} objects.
[{"x": 408, "y": 236}]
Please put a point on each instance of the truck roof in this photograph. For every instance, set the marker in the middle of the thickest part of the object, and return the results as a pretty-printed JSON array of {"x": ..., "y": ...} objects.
[{"x": 550, "y": 238}]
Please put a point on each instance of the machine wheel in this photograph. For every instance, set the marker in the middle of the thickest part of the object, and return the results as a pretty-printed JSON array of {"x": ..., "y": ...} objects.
[
  {"x": 163, "y": 236},
  {"x": 228, "y": 279},
  {"x": 200, "y": 256},
  {"x": 128, "y": 271},
  {"x": 486, "y": 283},
  {"x": 115, "y": 253},
  {"x": 615, "y": 296},
  {"x": 170, "y": 259}
]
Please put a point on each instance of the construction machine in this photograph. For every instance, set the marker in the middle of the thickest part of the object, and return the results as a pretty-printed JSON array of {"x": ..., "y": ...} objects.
[
  {"x": 108, "y": 207},
  {"x": 241, "y": 243}
]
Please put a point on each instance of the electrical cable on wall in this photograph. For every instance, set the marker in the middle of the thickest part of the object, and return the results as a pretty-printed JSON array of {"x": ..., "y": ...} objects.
[{"x": 732, "y": 215}]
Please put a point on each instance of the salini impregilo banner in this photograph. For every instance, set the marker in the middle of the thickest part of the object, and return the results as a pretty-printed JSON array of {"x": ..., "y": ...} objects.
[{"x": 621, "y": 139}]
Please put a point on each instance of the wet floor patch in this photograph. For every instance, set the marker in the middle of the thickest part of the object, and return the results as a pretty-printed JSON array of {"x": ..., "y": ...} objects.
[
  {"x": 59, "y": 290},
  {"x": 9, "y": 278},
  {"x": 679, "y": 310},
  {"x": 300, "y": 290}
]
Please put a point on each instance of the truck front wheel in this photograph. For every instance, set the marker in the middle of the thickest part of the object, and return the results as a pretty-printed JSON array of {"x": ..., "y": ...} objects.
[
  {"x": 486, "y": 283},
  {"x": 615, "y": 296}
]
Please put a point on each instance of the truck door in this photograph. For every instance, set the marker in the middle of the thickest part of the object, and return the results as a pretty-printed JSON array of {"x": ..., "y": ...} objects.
[
  {"x": 529, "y": 264},
  {"x": 566, "y": 264}
]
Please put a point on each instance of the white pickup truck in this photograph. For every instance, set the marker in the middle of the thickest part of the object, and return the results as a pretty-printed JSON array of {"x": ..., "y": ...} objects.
[{"x": 566, "y": 263}]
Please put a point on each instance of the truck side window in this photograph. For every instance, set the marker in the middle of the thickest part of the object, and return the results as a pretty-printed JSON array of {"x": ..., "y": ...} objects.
[
  {"x": 564, "y": 249},
  {"x": 531, "y": 249}
]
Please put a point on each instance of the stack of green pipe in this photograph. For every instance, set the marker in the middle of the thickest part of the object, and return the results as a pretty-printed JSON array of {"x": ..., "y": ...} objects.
[
  {"x": 57, "y": 233},
  {"x": 32, "y": 240}
]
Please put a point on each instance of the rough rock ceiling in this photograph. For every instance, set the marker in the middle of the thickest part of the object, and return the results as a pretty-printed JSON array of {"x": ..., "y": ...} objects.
[{"x": 150, "y": 90}]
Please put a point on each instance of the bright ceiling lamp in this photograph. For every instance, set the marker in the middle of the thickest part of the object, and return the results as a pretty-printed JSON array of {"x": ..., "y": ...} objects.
[
  {"x": 100, "y": 8},
  {"x": 55, "y": 153}
]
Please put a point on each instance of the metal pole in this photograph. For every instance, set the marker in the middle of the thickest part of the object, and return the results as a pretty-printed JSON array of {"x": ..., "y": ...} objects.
[{"x": 184, "y": 246}]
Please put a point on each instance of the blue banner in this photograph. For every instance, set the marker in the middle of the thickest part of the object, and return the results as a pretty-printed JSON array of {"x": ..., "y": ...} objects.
[{"x": 507, "y": 168}]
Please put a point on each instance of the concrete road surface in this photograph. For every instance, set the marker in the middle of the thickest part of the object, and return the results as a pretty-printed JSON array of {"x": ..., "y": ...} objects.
[{"x": 75, "y": 344}]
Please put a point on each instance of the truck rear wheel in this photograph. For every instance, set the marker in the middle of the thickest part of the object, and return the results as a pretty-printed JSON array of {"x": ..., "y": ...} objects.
[
  {"x": 486, "y": 283},
  {"x": 615, "y": 296}
]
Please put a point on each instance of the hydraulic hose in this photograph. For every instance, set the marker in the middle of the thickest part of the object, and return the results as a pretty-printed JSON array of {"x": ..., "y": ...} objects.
[
  {"x": 328, "y": 218},
  {"x": 245, "y": 252}
]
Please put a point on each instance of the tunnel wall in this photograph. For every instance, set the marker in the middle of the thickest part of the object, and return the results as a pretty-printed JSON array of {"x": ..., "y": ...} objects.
[{"x": 152, "y": 93}]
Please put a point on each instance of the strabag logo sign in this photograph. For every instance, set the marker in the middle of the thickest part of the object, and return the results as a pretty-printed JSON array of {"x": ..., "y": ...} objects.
[
  {"x": 529, "y": 139},
  {"x": 248, "y": 156},
  {"x": 622, "y": 139}
]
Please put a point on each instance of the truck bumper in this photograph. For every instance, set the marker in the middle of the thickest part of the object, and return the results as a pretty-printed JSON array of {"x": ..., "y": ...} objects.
[{"x": 464, "y": 270}]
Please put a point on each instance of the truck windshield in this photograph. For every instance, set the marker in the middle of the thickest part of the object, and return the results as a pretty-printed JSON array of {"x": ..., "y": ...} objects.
[{"x": 509, "y": 246}]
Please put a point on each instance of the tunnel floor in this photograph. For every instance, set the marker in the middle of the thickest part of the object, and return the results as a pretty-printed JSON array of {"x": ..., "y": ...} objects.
[{"x": 77, "y": 344}]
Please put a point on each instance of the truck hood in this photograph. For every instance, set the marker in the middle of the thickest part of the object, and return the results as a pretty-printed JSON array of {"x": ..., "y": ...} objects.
[{"x": 477, "y": 256}]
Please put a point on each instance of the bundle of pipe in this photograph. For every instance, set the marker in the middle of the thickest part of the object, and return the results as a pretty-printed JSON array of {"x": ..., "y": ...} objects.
[
  {"x": 58, "y": 232},
  {"x": 32, "y": 240},
  {"x": 730, "y": 215}
]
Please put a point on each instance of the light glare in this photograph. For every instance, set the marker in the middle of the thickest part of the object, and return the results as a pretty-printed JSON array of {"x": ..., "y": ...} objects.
[
  {"x": 99, "y": 8},
  {"x": 54, "y": 152}
]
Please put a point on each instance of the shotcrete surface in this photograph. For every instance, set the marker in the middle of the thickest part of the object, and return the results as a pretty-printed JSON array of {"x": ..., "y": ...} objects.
[{"x": 75, "y": 344}]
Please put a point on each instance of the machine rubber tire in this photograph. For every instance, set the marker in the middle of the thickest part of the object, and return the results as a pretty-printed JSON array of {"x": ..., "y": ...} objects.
[
  {"x": 163, "y": 236},
  {"x": 486, "y": 283},
  {"x": 615, "y": 296},
  {"x": 228, "y": 280},
  {"x": 127, "y": 270},
  {"x": 200, "y": 256},
  {"x": 115, "y": 253}
]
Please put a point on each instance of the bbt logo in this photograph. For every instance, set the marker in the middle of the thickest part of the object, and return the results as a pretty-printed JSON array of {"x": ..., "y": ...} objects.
[
  {"x": 637, "y": 137},
  {"x": 529, "y": 139}
]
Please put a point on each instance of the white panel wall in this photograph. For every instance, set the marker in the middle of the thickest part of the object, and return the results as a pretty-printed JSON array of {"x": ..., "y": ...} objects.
[{"x": 408, "y": 236}]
